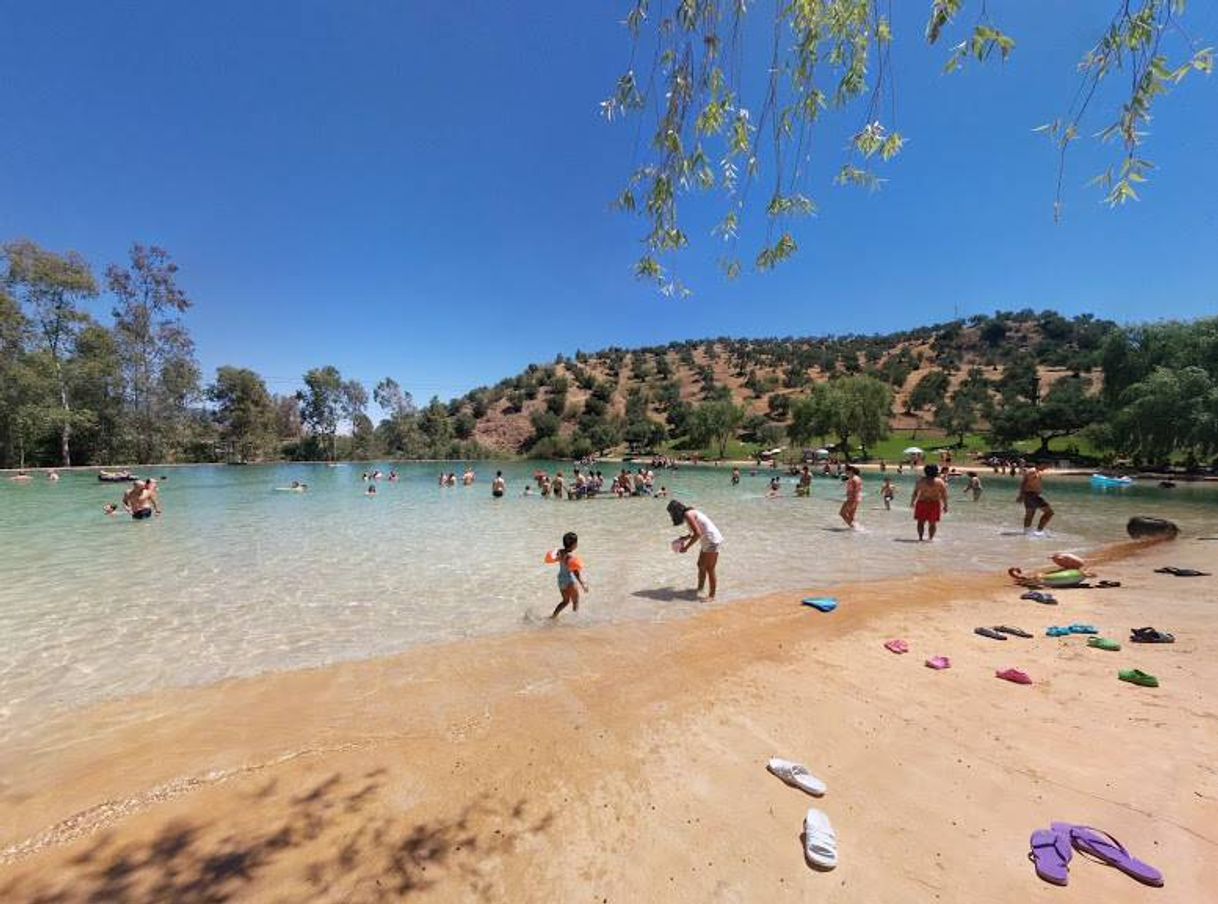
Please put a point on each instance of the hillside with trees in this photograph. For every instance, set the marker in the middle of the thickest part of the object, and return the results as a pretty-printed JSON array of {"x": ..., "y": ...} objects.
[{"x": 77, "y": 389}]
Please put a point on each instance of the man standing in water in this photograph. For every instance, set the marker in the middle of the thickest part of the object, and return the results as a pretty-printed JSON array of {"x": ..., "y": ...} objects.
[
  {"x": 854, "y": 496},
  {"x": 1030, "y": 489},
  {"x": 929, "y": 501},
  {"x": 142, "y": 500},
  {"x": 498, "y": 485}
]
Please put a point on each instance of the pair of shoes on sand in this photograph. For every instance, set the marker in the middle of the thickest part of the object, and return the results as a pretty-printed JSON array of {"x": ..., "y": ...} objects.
[
  {"x": 820, "y": 841},
  {"x": 1053, "y": 848},
  {"x": 1182, "y": 572},
  {"x": 1138, "y": 677},
  {"x": 1000, "y": 632},
  {"x": 1076, "y": 628},
  {"x": 1149, "y": 635},
  {"x": 896, "y": 645}
]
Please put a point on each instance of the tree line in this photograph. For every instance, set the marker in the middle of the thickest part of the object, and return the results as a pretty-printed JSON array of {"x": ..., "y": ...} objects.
[{"x": 76, "y": 390}]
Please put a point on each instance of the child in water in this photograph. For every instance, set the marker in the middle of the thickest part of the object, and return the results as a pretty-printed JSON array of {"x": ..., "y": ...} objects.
[
  {"x": 888, "y": 491},
  {"x": 570, "y": 574}
]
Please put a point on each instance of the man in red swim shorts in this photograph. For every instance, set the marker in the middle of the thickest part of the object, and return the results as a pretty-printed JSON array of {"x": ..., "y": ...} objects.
[{"x": 929, "y": 501}]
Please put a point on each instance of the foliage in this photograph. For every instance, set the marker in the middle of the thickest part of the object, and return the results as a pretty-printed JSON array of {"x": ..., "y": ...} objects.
[
  {"x": 826, "y": 56},
  {"x": 162, "y": 377},
  {"x": 714, "y": 422},
  {"x": 244, "y": 412}
]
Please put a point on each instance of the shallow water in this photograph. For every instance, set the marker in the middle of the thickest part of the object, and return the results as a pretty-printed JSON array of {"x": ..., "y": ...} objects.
[{"x": 238, "y": 579}]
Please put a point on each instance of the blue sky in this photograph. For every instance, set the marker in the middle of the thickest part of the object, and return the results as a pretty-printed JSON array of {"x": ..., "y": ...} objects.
[{"x": 421, "y": 190}]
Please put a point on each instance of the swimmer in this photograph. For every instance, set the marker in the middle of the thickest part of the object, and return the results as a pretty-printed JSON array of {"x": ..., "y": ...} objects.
[
  {"x": 21, "y": 477},
  {"x": 498, "y": 485},
  {"x": 735, "y": 476},
  {"x": 854, "y": 496},
  {"x": 929, "y": 501},
  {"x": 570, "y": 575},
  {"x": 528, "y": 490},
  {"x": 53, "y": 475},
  {"x": 371, "y": 491},
  {"x": 110, "y": 509},
  {"x": 887, "y": 492},
  {"x": 974, "y": 485},
  {"x": 775, "y": 487}
]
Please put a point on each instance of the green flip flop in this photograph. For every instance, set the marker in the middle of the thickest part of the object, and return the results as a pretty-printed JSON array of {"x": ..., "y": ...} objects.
[
  {"x": 1103, "y": 643},
  {"x": 1137, "y": 676}
]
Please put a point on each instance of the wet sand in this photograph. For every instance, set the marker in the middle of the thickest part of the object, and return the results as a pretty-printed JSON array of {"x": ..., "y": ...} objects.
[{"x": 626, "y": 762}]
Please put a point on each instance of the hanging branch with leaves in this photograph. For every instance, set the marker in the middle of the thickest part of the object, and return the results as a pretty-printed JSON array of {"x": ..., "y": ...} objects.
[{"x": 826, "y": 55}]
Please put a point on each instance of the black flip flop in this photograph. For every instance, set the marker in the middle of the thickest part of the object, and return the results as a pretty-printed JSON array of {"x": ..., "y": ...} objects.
[
  {"x": 1182, "y": 572},
  {"x": 1106, "y": 584},
  {"x": 1040, "y": 597},
  {"x": 1014, "y": 632},
  {"x": 1149, "y": 635},
  {"x": 989, "y": 632}
]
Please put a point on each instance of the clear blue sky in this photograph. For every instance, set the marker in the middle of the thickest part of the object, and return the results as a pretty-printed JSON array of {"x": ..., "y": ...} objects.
[{"x": 420, "y": 189}]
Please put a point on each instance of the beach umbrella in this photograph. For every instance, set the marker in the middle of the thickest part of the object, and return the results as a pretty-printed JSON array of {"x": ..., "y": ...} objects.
[
  {"x": 913, "y": 450},
  {"x": 822, "y": 451}
]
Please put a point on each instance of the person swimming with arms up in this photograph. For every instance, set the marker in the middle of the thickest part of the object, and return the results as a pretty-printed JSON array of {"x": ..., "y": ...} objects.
[{"x": 570, "y": 574}]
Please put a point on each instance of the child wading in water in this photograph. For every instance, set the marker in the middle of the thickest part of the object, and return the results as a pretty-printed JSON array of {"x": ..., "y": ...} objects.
[{"x": 570, "y": 574}]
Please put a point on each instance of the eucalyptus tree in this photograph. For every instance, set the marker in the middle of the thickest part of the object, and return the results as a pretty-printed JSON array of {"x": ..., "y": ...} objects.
[
  {"x": 245, "y": 412},
  {"x": 52, "y": 288},
  {"x": 158, "y": 353},
  {"x": 321, "y": 404}
]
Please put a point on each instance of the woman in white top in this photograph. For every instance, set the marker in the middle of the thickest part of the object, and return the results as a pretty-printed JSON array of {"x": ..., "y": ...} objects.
[{"x": 702, "y": 530}]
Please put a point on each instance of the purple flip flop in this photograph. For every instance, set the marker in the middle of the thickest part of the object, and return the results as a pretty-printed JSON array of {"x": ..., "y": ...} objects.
[
  {"x": 1051, "y": 854},
  {"x": 1107, "y": 849}
]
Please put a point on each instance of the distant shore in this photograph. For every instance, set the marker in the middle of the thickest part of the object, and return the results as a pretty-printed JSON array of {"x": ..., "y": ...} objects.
[
  {"x": 626, "y": 762},
  {"x": 743, "y": 464}
]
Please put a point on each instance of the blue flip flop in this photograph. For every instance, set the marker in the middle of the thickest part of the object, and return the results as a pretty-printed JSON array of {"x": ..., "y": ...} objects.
[
  {"x": 1077, "y": 628},
  {"x": 821, "y": 603},
  {"x": 1057, "y": 631}
]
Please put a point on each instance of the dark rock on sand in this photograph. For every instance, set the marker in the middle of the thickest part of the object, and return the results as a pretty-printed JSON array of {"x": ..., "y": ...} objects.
[{"x": 1142, "y": 526}]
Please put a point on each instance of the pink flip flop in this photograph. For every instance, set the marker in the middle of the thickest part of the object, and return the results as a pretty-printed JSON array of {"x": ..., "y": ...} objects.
[
  {"x": 938, "y": 662},
  {"x": 1013, "y": 675},
  {"x": 897, "y": 646}
]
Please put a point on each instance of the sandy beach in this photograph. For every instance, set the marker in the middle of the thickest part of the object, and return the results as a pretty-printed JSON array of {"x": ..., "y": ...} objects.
[{"x": 627, "y": 762}]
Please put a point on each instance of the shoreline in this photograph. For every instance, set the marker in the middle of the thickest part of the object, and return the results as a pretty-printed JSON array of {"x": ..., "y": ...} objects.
[
  {"x": 534, "y": 766},
  {"x": 743, "y": 464}
]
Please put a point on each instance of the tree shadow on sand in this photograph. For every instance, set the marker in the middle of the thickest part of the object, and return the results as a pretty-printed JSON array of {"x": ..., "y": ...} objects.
[{"x": 339, "y": 840}]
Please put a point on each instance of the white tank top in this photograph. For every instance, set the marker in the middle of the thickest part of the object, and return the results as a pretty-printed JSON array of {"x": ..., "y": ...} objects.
[{"x": 710, "y": 533}]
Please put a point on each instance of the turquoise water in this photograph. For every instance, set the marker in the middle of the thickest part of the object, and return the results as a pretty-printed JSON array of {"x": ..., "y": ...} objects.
[{"x": 237, "y": 579}]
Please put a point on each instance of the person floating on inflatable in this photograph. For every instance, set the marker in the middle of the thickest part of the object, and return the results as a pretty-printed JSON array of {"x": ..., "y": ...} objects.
[
  {"x": 570, "y": 573},
  {"x": 1070, "y": 572}
]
